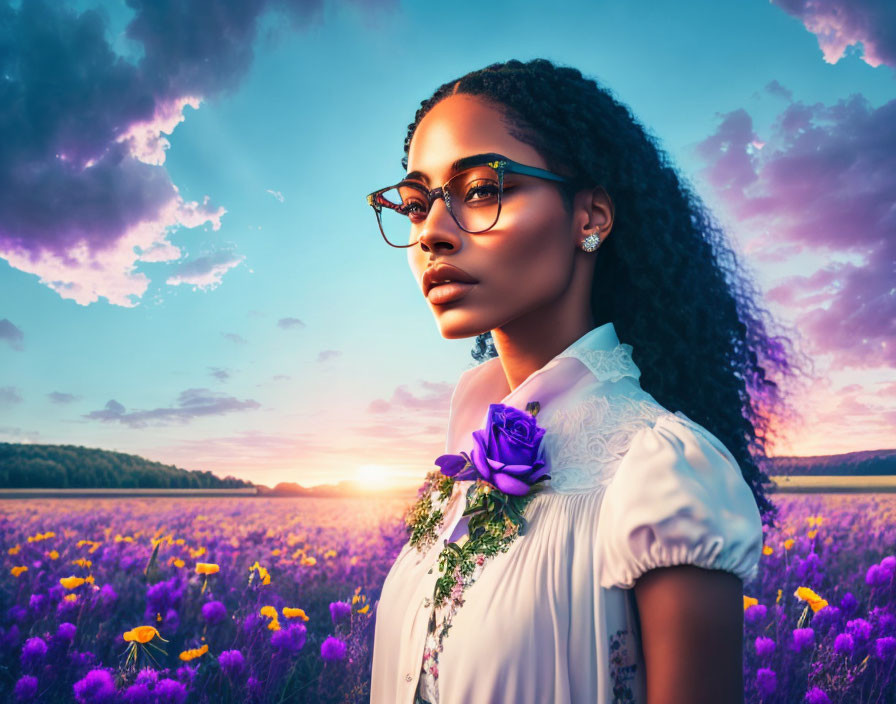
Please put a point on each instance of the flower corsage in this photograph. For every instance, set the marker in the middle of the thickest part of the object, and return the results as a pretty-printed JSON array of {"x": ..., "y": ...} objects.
[{"x": 506, "y": 462}]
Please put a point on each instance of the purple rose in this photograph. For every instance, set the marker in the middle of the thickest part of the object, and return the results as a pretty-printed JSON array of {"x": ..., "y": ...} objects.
[{"x": 507, "y": 453}]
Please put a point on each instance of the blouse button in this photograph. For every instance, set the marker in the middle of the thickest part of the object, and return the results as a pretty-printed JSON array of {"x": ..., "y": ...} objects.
[{"x": 408, "y": 677}]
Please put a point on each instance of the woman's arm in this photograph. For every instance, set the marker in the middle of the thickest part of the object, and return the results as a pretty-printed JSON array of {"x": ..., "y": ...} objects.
[{"x": 692, "y": 623}]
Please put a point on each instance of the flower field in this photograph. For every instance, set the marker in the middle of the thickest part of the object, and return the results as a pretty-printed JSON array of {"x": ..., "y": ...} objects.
[{"x": 273, "y": 600}]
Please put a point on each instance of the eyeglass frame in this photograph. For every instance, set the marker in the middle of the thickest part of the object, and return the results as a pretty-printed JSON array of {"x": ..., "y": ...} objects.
[{"x": 500, "y": 163}]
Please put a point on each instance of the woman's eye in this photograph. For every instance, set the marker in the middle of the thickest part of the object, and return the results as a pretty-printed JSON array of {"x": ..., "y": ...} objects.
[{"x": 482, "y": 191}]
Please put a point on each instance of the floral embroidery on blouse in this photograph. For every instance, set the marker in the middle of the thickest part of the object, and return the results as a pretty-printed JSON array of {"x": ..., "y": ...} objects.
[
  {"x": 621, "y": 672},
  {"x": 440, "y": 624}
]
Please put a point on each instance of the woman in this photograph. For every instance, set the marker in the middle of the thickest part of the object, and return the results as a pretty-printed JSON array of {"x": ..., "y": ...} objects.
[{"x": 538, "y": 216}]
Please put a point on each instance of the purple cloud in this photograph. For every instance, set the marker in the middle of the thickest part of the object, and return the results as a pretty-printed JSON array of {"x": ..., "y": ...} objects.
[
  {"x": 437, "y": 400},
  {"x": 11, "y": 334},
  {"x": 289, "y": 323},
  {"x": 61, "y": 397},
  {"x": 191, "y": 403},
  {"x": 233, "y": 337},
  {"x": 325, "y": 355},
  {"x": 84, "y": 193},
  {"x": 205, "y": 273},
  {"x": 839, "y": 24},
  {"x": 219, "y": 374},
  {"x": 822, "y": 183},
  {"x": 10, "y": 395}
]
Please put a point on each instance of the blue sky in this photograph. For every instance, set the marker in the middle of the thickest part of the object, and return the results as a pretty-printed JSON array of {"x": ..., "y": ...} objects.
[{"x": 280, "y": 356}]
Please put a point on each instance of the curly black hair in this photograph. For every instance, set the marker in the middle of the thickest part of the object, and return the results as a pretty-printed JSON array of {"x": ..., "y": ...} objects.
[{"x": 665, "y": 277}]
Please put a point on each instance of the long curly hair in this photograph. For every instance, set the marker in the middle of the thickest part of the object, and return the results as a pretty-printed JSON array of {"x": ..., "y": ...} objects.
[{"x": 666, "y": 277}]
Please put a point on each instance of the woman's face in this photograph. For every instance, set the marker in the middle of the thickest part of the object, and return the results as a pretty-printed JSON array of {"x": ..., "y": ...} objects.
[{"x": 525, "y": 263}]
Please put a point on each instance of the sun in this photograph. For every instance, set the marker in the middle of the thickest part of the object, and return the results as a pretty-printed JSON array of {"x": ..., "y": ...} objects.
[{"x": 373, "y": 476}]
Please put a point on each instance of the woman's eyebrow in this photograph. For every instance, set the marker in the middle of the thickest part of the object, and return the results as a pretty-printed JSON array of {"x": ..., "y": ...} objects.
[{"x": 420, "y": 176}]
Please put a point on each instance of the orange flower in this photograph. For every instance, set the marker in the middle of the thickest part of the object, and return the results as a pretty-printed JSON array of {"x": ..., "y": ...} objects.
[
  {"x": 142, "y": 634},
  {"x": 206, "y": 568},
  {"x": 294, "y": 613}
]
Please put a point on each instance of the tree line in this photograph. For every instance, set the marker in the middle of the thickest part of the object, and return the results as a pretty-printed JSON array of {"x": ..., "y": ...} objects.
[{"x": 33, "y": 466}]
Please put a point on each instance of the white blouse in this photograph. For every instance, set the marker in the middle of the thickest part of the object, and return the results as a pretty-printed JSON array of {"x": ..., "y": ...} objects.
[{"x": 633, "y": 487}]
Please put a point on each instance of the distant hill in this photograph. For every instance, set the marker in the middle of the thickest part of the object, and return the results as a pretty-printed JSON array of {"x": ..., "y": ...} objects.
[
  {"x": 30, "y": 466},
  {"x": 875, "y": 463},
  {"x": 342, "y": 489}
]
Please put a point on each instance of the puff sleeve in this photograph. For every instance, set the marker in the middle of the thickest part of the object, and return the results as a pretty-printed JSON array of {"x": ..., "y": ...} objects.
[{"x": 677, "y": 497}]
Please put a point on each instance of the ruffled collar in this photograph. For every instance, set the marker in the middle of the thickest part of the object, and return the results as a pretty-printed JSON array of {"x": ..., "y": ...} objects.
[{"x": 597, "y": 353}]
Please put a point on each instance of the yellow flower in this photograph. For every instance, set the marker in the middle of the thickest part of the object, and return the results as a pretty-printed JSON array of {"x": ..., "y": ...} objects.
[
  {"x": 748, "y": 602},
  {"x": 70, "y": 597},
  {"x": 274, "y": 625},
  {"x": 310, "y": 561},
  {"x": 193, "y": 653},
  {"x": 53, "y": 555},
  {"x": 72, "y": 582},
  {"x": 276, "y": 552},
  {"x": 778, "y": 599},
  {"x": 262, "y": 573},
  {"x": 141, "y": 634},
  {"x": 178, "y": 562},
  {"x": 807, "y": 595},
  {"x": 206, "y": 568},
  {"x": 365, "y": 609},
  {"x": 198, "y": 552},
  {"x": 812, "y": 533},
  {"x": 15, "y": 551},
  {"x": 16, "y": 571},
  {"x": 789, "y": 543},
  {"x": 767, "y": 550},
  {"x": 81, "y": 562},
  {"x": 330, "y": 553},
  {"x": 294, "y": 613}
]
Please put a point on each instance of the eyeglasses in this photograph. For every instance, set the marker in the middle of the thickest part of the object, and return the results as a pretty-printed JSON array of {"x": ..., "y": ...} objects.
[{"x": 472, "y": 196}]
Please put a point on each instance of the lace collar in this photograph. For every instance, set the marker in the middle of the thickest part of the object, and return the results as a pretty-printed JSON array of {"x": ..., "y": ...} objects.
[{"x": 599, "y": 350}]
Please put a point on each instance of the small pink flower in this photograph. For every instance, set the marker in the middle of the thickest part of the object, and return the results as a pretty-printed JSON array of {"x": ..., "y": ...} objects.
[
  {"x": 435, "y": 670},
  {"x": 480, "y": 559}
]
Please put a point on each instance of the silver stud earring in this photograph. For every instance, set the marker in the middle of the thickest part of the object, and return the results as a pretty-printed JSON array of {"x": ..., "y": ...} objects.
[{"x": 592, "y": 241}]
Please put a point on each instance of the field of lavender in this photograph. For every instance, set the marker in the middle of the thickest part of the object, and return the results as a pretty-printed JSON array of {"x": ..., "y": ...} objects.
[{"x": 273, "y": 600}]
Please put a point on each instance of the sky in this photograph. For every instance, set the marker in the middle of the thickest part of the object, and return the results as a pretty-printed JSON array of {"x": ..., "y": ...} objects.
[{"x": 189, "y": 270}]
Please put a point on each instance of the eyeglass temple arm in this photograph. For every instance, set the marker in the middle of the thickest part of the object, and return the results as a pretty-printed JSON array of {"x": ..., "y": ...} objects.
[{"x": 515, "y": 168}]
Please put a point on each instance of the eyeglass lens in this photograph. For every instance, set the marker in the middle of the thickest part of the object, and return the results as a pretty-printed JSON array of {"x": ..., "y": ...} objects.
[{"x": 473, "y": 197}]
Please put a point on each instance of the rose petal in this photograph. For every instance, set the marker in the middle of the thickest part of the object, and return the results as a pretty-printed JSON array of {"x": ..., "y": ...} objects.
[
  {"x": 450, "y": 464},
  {"x": 494, "y": 464},
  {"x": 517, "y": 468},
  {"x": 511, "y": 485}
]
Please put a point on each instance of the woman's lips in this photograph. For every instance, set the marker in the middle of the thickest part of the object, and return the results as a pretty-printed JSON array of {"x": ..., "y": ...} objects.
[{"x": 448, "y": 293}]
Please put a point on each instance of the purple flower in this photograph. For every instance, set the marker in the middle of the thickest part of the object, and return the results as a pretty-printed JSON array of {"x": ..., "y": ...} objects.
[
  {"x": 66, "y": 631},
  {"x": 816, "y": 695},
  {"x": 844, "y": 643},
  {"x": 214, "y": 612},
  {"x": 508, "y": 452},
  {"x": 26, "y": 688},
  {"x": 290, "y": 639},
  {"x": 885, "y": 647},
  {"x": 147, "y": 676},
  {"x": 138, "y": 694},
  {"x": 764, "y": 646},
  {"x": 802, "y": 638},
  {"x": 332, "y": 649},
  {"x": 33, "y": 652},
  {"x": 108, "y": 595},
  {"x": 186, "y": 674},
  {"x": 37, "y": 602},
  {"x": 766, "y": 681},
  {"x": 339, "y": 610},
  {"x": 755, "y": 613},
  {"x": 97, "y": 687},
  {"x": 253, "y": 684},
  {"x": 848, "y": 603},
  {"x": 232, "y": 662},
  {"x": 168, "y": 691},
  {"x": 17, "y": 613},
  {"x": 859, "y": 628},
  {"x": 875, "y": 576}
]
